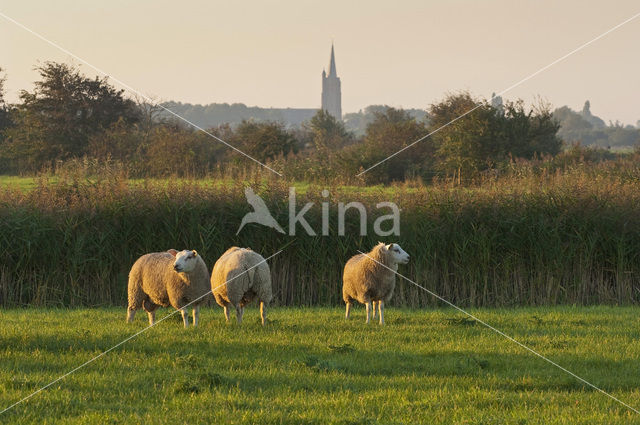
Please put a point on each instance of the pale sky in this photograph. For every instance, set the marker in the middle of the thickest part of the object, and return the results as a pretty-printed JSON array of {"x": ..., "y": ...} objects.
[{"x": 401, "y": 53}]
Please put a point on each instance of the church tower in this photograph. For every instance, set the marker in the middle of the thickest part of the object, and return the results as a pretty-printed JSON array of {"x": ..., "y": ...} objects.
[{"x": 331, "y": 93}]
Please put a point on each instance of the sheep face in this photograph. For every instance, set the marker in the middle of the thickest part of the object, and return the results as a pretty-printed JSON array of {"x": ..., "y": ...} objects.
[
  {"x": 397, "y": 254},
  {"x": 185, "y": 261}
]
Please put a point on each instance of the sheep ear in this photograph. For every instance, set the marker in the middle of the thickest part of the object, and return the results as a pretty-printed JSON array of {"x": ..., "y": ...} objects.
[
  {"x": 172, "y": 252},
  {"x": 195, "y": 253},
  {"x": 389, "y": 246}
]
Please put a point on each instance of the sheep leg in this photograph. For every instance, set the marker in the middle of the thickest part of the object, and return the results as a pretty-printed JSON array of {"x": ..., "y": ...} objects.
[
  {"x": 131, "y": 313},
  {"x": 381, "y": 308},
  {"x": 152, "y": 317},
  {"x": 196, "y": 315},
  {"x": 185, "y": 316},
  {"x": 263, "y": 312},
  {"x": 346, "y": 315},
  {"x": 239, "y": 313},
  {"x": 375, "y": 304},
  {"x": 150, "y": 308},
  {"x": 368, "y": 311},
  {"x": 226, "y": 312}
]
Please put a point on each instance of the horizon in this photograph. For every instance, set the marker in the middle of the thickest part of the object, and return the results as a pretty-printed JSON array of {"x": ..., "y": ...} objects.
[{"x": 263, "y": 65}]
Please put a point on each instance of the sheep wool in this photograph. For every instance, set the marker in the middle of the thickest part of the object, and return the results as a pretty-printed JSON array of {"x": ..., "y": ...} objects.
[
  {"x": 165, "y": 279},
  {"x": 239, "y": 276},
  {"x": 370, "y": 278}
]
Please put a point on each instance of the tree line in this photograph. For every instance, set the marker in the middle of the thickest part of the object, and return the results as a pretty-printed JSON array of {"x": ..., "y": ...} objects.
[
  {"x": 590, "y": 130},
  {"x": 68, "y": 115}
]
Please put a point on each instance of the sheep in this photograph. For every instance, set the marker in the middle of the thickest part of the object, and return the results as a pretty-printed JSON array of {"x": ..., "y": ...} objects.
[
  {"x": 168, "y": 278},
  {"x": 239, "y": 276},
  {"x": 371, "y": 278}
]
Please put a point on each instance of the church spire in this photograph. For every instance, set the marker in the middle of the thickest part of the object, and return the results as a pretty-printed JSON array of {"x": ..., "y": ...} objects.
[
  {"x": 331, "y": 92},
  {"x": 332, "y": 64}
]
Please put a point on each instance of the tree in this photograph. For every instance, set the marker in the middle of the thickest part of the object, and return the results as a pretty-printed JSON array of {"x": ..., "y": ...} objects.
[
  {"x": 2, "y": 80},
  {"x": 357, "y": 122},
  {"x": 590, "y": 130},
  {"x": 120, "y": 141},
  {"x": 173, "y": 150},
  {"x": 525, "y": 134},
  {"x": 471, "y": 135},
  {"x": 464, "y": 141},
  {"x": 321, "y": 140},
  {"x": 263, "y": 140},
  {"x": 5, "y": 120},
  {"x": 389, "y": 132},
  {"x": 329, "y": 134},
  {"x": 56, "y": 120}
]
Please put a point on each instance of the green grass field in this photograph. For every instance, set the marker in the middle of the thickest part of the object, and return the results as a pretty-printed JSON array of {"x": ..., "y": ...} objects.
[
  {"x": 22, "y": 183},
  {"x": 26, "y": 183},
  {"x": 309, "y": 366}
]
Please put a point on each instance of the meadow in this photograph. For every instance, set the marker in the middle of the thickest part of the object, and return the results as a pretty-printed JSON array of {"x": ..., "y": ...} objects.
[
  {"x": 310, "y": 366},
  {"x": 550, "y": 257}
]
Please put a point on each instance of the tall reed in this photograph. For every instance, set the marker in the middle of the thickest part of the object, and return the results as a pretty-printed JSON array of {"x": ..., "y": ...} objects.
[{"x": 538, "y": 238}]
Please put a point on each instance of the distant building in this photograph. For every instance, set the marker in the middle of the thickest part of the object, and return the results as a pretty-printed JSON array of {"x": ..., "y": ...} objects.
[
  {"x": 331, "y": 92},
  {"x": 215, "y": 114},
  {"x": 496, "y": 103}
]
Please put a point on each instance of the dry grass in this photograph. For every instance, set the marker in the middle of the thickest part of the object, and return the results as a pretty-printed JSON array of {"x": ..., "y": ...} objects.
[{"x": 536, "y": 236}]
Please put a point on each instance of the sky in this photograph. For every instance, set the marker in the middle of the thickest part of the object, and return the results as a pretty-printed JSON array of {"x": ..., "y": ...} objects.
[{"x": 406, "y": 53}]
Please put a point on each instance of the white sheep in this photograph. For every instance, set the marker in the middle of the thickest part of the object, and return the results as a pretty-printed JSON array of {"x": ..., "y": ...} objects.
[
  {"x": 239, "y": 276},
  {"x": 168, "y": 278},
  {"x": 370, "y": 278}
]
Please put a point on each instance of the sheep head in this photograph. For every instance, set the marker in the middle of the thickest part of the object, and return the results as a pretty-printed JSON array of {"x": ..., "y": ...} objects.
[
  {"x": 185, "y": 260},
  {"x": 396, "y": 254}
]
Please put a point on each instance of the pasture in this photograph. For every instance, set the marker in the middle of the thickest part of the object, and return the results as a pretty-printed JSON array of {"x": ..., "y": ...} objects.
[
  {"x": 309, "y": 366},
  {"x": 550, "y": 259}
]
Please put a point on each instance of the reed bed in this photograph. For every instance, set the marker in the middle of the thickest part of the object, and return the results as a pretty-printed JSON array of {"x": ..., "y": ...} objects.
[{"x": 532, "y": 239}]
